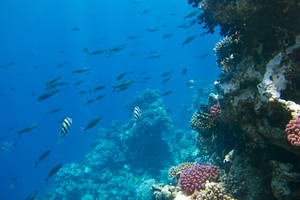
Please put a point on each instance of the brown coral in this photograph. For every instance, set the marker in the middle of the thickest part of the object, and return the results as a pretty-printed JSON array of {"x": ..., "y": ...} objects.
[
  {"x": 202, "y": 121},
  {"x": 175, "y": 171},
  {"x": 213, "y": 191}
]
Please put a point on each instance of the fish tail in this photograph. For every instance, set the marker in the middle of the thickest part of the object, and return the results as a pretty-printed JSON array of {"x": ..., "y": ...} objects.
[{"x": 46, "y": 180}]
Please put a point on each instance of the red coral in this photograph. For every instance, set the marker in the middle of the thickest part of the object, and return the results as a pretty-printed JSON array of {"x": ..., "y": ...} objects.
[
  {"x": 293, "y": 130},
  {"x": 195, "y": 177},
  {"x": 215, "y": 110}
]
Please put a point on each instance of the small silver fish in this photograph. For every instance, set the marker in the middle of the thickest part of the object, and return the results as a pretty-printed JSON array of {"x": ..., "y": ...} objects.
[
  {"x": 66, "y": 126},
  {"x": 190, "y": 84},
  {"x": 137, "y": 113}
]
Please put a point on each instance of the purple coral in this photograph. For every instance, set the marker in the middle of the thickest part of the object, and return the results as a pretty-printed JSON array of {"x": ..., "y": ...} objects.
[
  {"x": 215, "y": 110},
  {"x": 195, "y": 177},
  {"x": 293, "y": 131}
]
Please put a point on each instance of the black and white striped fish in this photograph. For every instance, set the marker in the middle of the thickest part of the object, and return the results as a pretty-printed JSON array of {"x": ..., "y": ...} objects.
[
  {"x": 66, "y": 126},
  {"x": 137, "y": 113}
]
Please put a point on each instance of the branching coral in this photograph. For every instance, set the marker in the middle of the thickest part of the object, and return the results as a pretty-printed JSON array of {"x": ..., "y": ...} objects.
[
  {"x": 195, "y": 177},
  {"x": 213, "y": 191},
  {"x": 293, "y": 131},
  {"x": 175, "y": 171},
  {"x": 225, "y": 50},
  {"x": 207, "y": 116}
]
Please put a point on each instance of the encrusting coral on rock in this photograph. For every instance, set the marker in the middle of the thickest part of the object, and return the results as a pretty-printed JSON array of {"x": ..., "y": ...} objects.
[
  {"x": 174, "y": 172},
  {"x": 282, "y": 175},
  {"x": 194, "y": 183},
  {"x": 212, "y": 191}
]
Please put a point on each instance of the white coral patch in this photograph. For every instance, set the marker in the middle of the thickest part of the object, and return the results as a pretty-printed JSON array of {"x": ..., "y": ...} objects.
[
  {"x": 274, "y": 80},
  {"x": 181, "y": 196}
]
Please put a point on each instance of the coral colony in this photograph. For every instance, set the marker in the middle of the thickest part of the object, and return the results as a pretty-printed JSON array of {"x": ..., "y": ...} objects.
[
  {"x": 293, "y": 131},
  {"x": 215, "y": 110},
  {"x": 195, "y": 177},
  {"x": 238, "y": 138}
]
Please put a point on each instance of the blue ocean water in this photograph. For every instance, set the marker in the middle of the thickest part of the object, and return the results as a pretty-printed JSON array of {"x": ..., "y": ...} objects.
[{"x": 41, "y": 40}]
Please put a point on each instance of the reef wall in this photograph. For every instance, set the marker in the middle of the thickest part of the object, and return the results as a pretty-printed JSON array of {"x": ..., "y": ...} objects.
[{"x": 258, "y": 95}]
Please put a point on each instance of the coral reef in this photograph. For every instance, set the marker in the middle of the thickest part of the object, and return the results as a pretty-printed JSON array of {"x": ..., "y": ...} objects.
[
  {"x": 164, "y": 192},
  {"x": 211, "y": 191},
  {"x": 281, "y": 176},
  {"x": 225, "y": 50},
  {"x": 215, "y": 110},
  {"x": 76, "y": 181},
  {"x": 215, "y": 191},
  {"x": 202, "y": 121},
  {"x": 174, "y": 172},
  {"x": 293, "y": 130},
  {"x": 257, "y": 28},
  {"x": 149, "y": 131},
  {"x": 258, "y": 93},
  {"x": 118, "y": 166},
  {"x": 195, "y": 177},
  {"x": 206, "y": 117},
  {"x": 143, "y": 192}
]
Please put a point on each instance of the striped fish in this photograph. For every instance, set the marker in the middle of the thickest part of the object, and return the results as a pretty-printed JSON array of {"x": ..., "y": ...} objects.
[
  {"x": 137, "y": 113},
  {"x": 65, "y": 129}
]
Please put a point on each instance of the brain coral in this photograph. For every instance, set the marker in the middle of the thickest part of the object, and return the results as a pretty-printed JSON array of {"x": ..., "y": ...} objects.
[
  {"x": 293, "y": 131},
  {"x": 195, "y": 177}
]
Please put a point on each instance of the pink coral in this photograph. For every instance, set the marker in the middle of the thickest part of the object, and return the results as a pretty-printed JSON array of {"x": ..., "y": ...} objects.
[
  {"x": 215, "y": 110},
  {"x": 293, "y": 131},
  {"x": 195, "y": 177}
]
